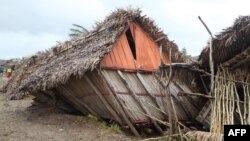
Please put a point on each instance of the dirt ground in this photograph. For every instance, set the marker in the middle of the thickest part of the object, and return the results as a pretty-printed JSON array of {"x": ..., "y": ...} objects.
[{"x": 20, "y": 123}]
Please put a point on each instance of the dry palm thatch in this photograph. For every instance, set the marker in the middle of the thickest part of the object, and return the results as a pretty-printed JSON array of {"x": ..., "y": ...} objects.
[
  {"x": 56, "y": 66},
  {"x": 203, "y": 136},
  {"x": 228, "y": 43},
  {"x": 231, "y": 51}
]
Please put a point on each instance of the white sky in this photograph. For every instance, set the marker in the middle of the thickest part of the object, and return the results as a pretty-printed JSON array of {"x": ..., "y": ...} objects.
[{"x": 28, "y": 26}]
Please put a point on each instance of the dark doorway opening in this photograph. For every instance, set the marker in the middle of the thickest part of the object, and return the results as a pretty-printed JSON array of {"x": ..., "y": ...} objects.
[{"x": 131, "y": 42}]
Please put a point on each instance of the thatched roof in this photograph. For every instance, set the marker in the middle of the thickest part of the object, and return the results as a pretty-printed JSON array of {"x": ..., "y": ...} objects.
[
  {"x": 228, "y": 43},
  {"x": 54, "y": 67}
]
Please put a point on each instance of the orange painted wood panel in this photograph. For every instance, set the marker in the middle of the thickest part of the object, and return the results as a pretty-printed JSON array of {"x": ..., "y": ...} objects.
[
  {"x": 120, "y": 56},
  {"x": 143, "y": 56},
  {"x": 147, "y": 52},
  {"x": 148, "y": 55},
  {"x": 127, "y": 52}
]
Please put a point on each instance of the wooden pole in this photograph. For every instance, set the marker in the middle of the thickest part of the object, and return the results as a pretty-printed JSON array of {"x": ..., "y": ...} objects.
[
  {"x": 104, "y": 101},
  {"x": 210, "y": 33},
  {"x": 169, "y": 105},
  {"x": 76, "y": 100},
  {"x": 204, "y": 85},
  {"x": 211, "y": 62},
  {"x": 121, "y": 107},
  {"x": 161, "y": 60},
  {"x": 137, "y": 100},
  {"x": 144, "y": 86},
  {"x": 205, "y": 96}
]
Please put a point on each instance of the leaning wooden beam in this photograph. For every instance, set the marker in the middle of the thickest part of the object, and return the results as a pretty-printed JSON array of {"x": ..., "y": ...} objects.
[
  {"x": 182, "y": 65},
  {"x": 159, "y": 39},
  {"x": 104, "y": 101},
  {"x": 242, "y": 62},
  {"x": 151, "y": 95},
  {"x": 208, "y": 74},
  {"x": 235, "y": 60},
  {"x": 139, "y": 102},
  {"x": 204, "y": 85},
  {"x": 203, "y": 95},
  {"x": 211, "y": 61},
  {"x": 204, "y": 112},
  {"x": 75, "y": 100},
  {"x": 144, "y": 86},
  {"x": 121, "y": 107},
  {"x": 195, "y": 94}
]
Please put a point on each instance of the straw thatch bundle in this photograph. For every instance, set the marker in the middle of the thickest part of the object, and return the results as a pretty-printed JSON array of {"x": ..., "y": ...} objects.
[
  {"x": 56, "y": 66},
  {"x": 228, "y": 43},
  {"x": 203, "y": 136}
]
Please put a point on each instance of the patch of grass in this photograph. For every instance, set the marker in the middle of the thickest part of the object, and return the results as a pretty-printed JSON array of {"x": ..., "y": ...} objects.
[
  {"x": 28, "y": 97},
  {"x": 102, "y": 124},
  {"x": 8, "y": 133},
  {"x": 115, "y": 128},
  {"x": 91, "y": 118},
  {"x": 6, "y": 104},
  {"x": 81, "y": 119}
]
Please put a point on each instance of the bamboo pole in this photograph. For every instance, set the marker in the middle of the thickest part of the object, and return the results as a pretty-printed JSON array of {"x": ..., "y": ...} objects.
[{"x": 137, "y": 100}]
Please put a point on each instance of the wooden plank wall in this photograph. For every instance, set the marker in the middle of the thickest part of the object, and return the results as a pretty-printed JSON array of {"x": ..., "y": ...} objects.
[
  {"x": 147, "y": 53},
  {"x": 116, "y": 101}
]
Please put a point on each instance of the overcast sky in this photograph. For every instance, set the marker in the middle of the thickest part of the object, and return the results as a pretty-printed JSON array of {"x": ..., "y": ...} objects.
[{"x": 28, "y": 26}]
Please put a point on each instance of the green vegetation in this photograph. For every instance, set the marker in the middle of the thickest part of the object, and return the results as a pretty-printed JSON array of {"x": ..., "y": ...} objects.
[
  {"x": 6, "y": 104},
  {"x": 113, "y": 127},
  {"x": 76, "y": 30}
]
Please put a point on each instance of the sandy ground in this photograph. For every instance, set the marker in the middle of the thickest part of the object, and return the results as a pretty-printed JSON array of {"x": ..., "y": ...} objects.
[{"x": 19, "y": 123}]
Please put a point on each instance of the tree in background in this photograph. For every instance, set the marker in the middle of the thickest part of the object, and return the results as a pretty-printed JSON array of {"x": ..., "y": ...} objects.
[
  {"x": 184, "y": 51},
  {"x": 77, "y": 30},
  {"x": 187, "y": 58}
]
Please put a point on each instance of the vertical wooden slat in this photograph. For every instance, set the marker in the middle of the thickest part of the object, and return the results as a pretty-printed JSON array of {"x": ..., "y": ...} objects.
[
  {"x": 144, "y": 86},
  {"x": 139, "y": 102},
  {"x": 127, "y": 51},
  {"x": 110, "y": 109},
  {"x": 121, "y": 108},
  {"x": 122, "y": 55},
  {"x": 115, "y": 53},
  {"x": 67, "y": 94},
  {"x": 147, "y": 52},
  {"x": 112, "y": 56}
]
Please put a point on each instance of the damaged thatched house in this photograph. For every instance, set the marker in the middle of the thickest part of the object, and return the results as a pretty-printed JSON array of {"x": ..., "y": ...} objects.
[
  {"x": 231, "y": 56},
  {"x": 110, "y": 73}
]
